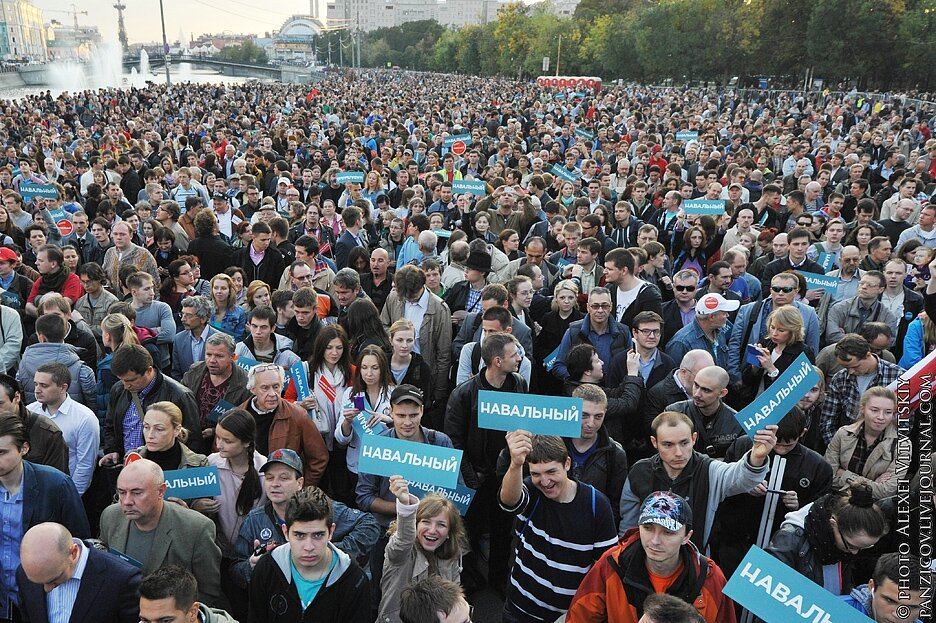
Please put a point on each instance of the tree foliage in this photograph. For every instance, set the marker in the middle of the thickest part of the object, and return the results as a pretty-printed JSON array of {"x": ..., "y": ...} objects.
[
  {"x": 877, "y": 42},
  {"x": 247, "y": 52}
]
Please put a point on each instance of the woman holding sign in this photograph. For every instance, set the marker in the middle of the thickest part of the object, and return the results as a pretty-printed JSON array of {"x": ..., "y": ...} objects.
[
  {"x": 427, "y": 539},
  {"x": 163, "y": 437},
  {"x": 775, "y": 353}
]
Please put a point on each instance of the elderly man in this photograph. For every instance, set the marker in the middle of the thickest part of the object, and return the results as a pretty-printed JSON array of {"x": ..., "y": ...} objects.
[
  {"x": 216, "y": 379},
  {"x": 599, "y": 328},
  {"x": 188, "y": 347},
  {"x": 849, "y": 315},
  {"x": 62, "y": 578},
  {"x": 144, "y": 527},
  {"x": 125, "y": 253},
  {"x": 282, "y": 424}
]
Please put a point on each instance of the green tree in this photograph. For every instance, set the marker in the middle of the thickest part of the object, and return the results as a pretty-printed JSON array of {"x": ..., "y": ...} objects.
[
  {"x": 247, "y": 52},
  {"x": 854, "y": 38},
  {"x": 917, "y": 36}
]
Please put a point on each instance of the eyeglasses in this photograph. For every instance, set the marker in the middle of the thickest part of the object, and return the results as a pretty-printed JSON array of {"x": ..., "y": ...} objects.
[
  {"x": 649, "y": 332},
  {"x": 685, "y": 288},
  {"x": 600, "y": 306},
  {"x": 263, "y": 367},
  {"x": 784, "y": 289}
]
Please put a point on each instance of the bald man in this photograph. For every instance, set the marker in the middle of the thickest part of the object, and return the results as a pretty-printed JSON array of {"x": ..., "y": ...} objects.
[
  {"x": 142, "y": 526},
  {"x": 68, "y": 578},
  {"x": 713, "y": 420}
]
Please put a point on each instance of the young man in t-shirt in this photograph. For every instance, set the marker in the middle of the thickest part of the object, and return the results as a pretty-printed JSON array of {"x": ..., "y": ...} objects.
[{"x": 553, "y": 551}]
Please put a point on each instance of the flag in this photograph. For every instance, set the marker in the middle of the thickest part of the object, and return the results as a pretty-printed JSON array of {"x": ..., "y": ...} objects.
[
  {"x": 313, "y": 93},
  {"x": 909, "y": 385},
  {"x": 327, "y": 388}
]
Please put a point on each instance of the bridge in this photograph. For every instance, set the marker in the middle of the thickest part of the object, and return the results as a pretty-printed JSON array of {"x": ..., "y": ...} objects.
[{"x": 227, "y": 68}]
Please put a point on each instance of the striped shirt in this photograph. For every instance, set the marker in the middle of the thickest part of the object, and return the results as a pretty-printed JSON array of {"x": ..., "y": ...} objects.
[
  {"x": 61, "y": 599},
  {"x": 554, "y": 551}
]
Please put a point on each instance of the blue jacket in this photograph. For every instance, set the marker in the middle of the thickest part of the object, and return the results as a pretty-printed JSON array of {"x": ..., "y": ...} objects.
[
  {"x": 356, "y": 532},
  {"x": 691, "y": 337},
  {"x": 182, "y": 351},
  {"x": 914, "y": 347},
  {"x": 234, "y": 323},
  {"x": 860, "y": 599},
  {"x": 408, "y": 252},
  {"x": 615, "y": 340},
  {"x": 736, "y": 349}
]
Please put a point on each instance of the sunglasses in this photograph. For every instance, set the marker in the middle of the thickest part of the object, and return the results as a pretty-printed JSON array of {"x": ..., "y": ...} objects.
[
  {"x": 784, "y": 289},
  {"x": 685, "y": 288}
]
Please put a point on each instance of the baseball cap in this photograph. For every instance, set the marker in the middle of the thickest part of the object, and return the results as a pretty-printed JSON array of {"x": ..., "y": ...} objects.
[
  {"x": 711, "y": 303},
  {"x": 220, "y": 196},
  {"x": 285, "y": 456},
  {"x": 284, "y": 180},
  {"x": 7, "y": 255},
  {"x": 735, "y": 185},
  {"x": 665, "y": 508},
  {"x": 406, "y": 392}
]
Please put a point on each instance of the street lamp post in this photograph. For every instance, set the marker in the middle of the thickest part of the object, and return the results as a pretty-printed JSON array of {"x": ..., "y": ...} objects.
[{"x": 162, "y": 18}]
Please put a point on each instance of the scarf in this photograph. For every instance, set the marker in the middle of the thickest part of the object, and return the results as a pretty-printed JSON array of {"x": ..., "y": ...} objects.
[
  {"x": 53, "y": 282},
  {"x": 820, "y": 534}
]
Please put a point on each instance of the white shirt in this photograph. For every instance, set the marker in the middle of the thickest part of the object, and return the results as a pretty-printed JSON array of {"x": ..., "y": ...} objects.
[
  {"x": 81, "y": 433},
  {"x": 415, "y": 312}
]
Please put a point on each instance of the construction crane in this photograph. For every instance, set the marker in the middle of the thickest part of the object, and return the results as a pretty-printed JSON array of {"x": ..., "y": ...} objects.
[
  {"x": 121, "y": 29},
  {"x": 74, "y": 13}
]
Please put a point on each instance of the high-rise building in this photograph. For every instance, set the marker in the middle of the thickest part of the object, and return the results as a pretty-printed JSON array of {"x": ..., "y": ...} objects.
[
  {"x": 367, "y": 15},
  {"x": 22, "y": 32}
]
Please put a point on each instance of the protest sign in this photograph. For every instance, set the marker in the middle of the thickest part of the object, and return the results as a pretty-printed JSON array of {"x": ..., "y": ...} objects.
[
  {"x": 461, "y": 496},
  {"x": 220, "y": 409},
  {"x": 775, "y": 592},
  {"x": 63, "y": 221},
  {"x": 541, "y": 415},
  {"x": 472, "y": 187},
  {"x": 44, "y": 191},
  {"x": 782, "y": 395},
  {"x": 420, "y": 462},
  {"x": 712, "y": 207},
  {"x": 687, "y": 135},
  {"x": 821, "y": 282},
  {"x": 564, "y": 173},
  {"x": 583, "y": 133},
  {"x": 350, "y": 177},
  {"x": 826, "y": 260},
  {"x": 196, "y": 482},
  {"x": 246, "y": 363}
]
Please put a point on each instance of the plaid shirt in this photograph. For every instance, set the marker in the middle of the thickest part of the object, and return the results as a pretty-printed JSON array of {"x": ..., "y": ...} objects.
[{"x": 842, "y": 397}]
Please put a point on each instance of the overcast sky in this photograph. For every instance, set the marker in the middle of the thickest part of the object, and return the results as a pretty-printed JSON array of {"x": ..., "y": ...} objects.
[{"x": 192, "y": 17}]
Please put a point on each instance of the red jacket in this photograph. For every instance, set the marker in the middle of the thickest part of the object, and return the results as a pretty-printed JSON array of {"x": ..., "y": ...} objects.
[
  {"x": 602, "y": 595},
  {"x": 71, "y": 289}
]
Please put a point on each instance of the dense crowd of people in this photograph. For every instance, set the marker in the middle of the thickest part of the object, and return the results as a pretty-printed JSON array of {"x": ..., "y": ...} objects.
[{"x": 174, "y": 260}]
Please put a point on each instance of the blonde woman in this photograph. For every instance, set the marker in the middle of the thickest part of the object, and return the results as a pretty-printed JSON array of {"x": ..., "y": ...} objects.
[
  {"x": 866, "y": 450},
  {"x": 783, "y": 344},
  {"x": 226, "y": 315}
]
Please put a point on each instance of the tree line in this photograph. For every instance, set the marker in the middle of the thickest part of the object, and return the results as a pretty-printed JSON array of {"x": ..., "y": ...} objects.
[{"x": 866, "y": 43}]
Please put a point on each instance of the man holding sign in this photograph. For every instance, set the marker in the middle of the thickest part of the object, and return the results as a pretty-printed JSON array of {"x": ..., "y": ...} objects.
[{"x": 563, "y": 528}]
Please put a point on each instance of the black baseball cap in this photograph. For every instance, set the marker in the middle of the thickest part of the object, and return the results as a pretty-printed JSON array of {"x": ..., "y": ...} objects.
[{"x": 406, "y": 392}]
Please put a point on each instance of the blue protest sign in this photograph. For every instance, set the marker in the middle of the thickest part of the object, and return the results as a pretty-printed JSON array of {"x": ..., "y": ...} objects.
[
  {"x": 472, "y": 187},
  {"x": 776, "y": 401},
  {"x": 712, "y": 207},
  {"x": 687, "y": 135},
  {"x": 442, "y": 233},
  {"x": 448, "y": 141},
  {"x": 29, "y": 190},
  {"x": 461, "y": 496},
  {"x": 350, "y": 177},
  {"x": 359, "y": 424},
  {"x": 63, "y": 221},
  {"x": 220, "y": 409},
  {"x": 246, "y": 363},
  {"x": 119, "y": 554},
  {"x": 297, "y": 372},
  {"x": 197, "y": 482},
  {"x": 821, "y": 282},
  {"x": 550, "y": 362},
  {"x": 564, "y": 173},
  {"x": 589, "y": 136},
  {"x": 541, "y": 415},
  {"x": 420, "y": 462},
  {"x": 775, "y": 592},
  {"x": 763, "y": 83},
  {"x": 826, "y": 260}
]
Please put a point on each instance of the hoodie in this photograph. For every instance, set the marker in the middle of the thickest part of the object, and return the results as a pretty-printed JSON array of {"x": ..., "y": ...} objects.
[{"x": 274, "y": 598}]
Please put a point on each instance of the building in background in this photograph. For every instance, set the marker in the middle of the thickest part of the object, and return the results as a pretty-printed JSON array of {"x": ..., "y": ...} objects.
[
  {"x": 563, "y": 8},
  {"x": 367, "y": 15},
  {"x": 67, "y": 43},
  {"x": 22, "y": 31},
  {"x": 294, "y": 42}
]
